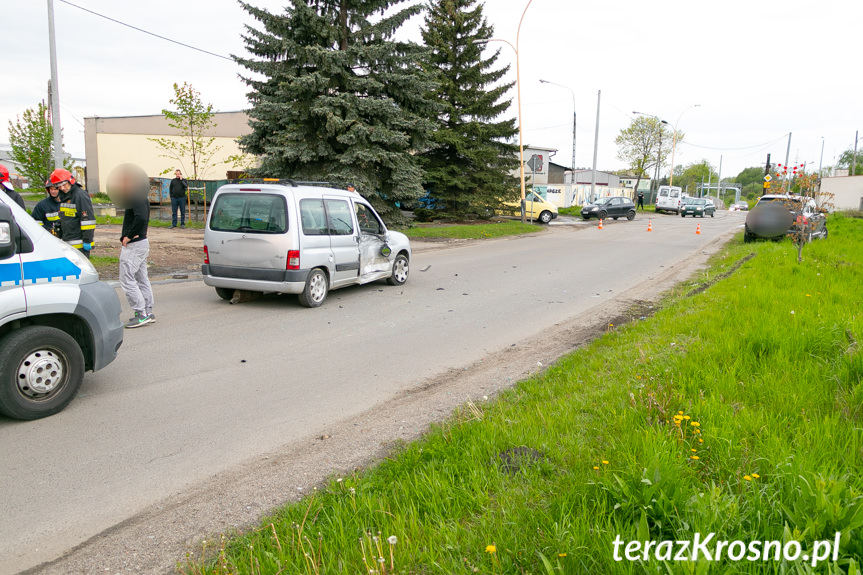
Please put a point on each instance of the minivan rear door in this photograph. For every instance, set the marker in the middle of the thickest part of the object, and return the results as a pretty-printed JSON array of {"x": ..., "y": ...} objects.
[{"x": 249, "y": 230}]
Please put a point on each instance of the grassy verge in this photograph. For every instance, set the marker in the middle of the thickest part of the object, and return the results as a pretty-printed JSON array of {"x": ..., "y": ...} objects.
[
  {"x": 474, "y": 231},
  {"x": 574, "y": 211},
  {"x": 118, "y": 221},
  {"x": 735, "y": 411}
]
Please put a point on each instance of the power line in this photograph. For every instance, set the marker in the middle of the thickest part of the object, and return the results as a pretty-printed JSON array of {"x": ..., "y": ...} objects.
[
  {"x": 782, "y": 137},
  {"x": 145, "y": 31}
]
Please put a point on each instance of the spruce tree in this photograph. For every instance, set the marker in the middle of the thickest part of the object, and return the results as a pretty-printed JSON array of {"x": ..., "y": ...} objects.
[
  {"x": 336, "y": 98},
  {"x": 469, "y": 169}
]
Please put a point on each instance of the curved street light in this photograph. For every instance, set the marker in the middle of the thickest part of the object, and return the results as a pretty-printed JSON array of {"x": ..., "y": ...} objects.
[
  {"x": 674, "y": 143},
  {"x": 518, "y": 89},
  {"x": 573, "y": 122}
]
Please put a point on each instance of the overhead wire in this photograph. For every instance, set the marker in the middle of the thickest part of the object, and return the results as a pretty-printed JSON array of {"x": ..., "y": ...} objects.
[{"x": 147, "y": 31}]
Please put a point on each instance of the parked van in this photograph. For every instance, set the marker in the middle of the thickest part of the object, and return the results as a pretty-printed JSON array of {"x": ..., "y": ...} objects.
[
  {"x": 669, "y": 198},
  {"x": 57, "y": 320},
  {"x": 299, "y": 239}
]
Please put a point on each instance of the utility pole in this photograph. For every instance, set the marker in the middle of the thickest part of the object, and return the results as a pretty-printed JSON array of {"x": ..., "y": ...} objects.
[
  {"x": 786, "y": 184},
  {"x": 854, "y": 157},
  {"x": 719, "y": 180},
  {"x": 821, "y": 161},
  {"x": 766, "y": 185},
  {"x": 55, "y": 91},
  {"x": 595, "y": 148}
]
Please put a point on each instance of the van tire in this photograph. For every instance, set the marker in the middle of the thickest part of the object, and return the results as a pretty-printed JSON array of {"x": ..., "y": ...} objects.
[
  {"x": 26, "y": 354},
  {"x": 545, "y": 217},
  {"x": 401, "y": 269},
  {"x": 225, "y": 293},
  {"x": 317, "y": 287}
]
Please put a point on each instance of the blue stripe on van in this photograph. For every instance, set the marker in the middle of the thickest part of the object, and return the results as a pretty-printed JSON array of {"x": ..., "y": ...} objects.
[
  {"x": 10, "y": 273},
  {"x": 50, "y": 269}
]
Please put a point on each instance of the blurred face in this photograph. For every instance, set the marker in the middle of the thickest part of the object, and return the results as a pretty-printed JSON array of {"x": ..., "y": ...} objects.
[
  {"x": 53, "y": 191},
  {"x": 177, "y": 174},
  {"x": 64, "y": 186}
]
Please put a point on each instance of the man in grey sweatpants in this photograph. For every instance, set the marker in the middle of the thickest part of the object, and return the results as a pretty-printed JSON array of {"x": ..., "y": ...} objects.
[{"x": 133, "y": 261}]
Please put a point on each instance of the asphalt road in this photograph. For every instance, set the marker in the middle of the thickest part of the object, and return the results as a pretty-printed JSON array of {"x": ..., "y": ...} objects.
[{"x": 210, "y": 385}]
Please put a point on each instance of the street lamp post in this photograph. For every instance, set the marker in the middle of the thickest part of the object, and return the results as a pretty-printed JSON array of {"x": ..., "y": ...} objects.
[
  {"x": 518, "y": 90},
  {"x": 573, "y": 127},
  {"x": 674, "y": 143},
  {"x": 659, "y": 148}
]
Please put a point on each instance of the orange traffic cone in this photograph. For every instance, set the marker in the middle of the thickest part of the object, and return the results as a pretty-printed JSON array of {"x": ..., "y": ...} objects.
[
  {"x": 649, "y": 225},
  {"x": 600, "y": 225},
  {"x": 698, "y": 229}
]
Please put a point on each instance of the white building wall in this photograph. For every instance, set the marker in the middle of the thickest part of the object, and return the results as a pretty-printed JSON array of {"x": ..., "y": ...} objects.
[{"x": 847, "y": 190}]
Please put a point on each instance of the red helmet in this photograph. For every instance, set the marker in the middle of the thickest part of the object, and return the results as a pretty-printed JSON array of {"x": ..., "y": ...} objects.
[
  {"x": 4, "y": 173},
  {"x": 60, "y": 175}
]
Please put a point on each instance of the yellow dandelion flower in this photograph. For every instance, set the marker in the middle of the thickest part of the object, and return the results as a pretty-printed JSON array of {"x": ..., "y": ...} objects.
[
  {"x": 695, "y": 457},
  {"x": 686, "y": 417},
  {"x": 755, "y": 475},
  {"x": 694, "y": 424},
  {"x": 679, "y": 413},
  {"x": 807, "y": 295},
  {"x": 604, "y": 462},
  {"x": 700, "y": 440},
  {"x": 595, "y": 467},
  {"x": 694, "y": 450},
  {"x": 490, "y": 549},
  {"x": 561, "y": 554},
  {"x": 747, "y": 478}
]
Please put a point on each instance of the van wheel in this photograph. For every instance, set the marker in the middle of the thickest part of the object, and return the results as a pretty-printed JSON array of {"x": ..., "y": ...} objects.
[
  {"x": 225, "y": 293},
  {"x": 43, "y": 367},
  {"x": 545, "y": 217},
  {"x": 316, "y": 289},
  {"x": 401, "y": 269}
]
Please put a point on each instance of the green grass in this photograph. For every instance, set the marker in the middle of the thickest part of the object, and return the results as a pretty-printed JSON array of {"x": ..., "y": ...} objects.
[
  {"x": 574, "y": 211},
  {"x": 474, "y": 231},
  {"x": 737, "y": 410},
  {"x": 154, "y": 223}
]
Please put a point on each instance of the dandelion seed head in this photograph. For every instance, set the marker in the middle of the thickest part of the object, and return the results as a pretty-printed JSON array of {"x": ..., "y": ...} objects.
[{"x": 392, "y": 539}]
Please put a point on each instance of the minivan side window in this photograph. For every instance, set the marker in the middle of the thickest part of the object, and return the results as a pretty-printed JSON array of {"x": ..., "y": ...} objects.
[
  {"x": 340, "y": 221},
  {"x": 312, "y": 217},
  {"x": 369, "y": 223},
  {"x": 253, "y": 213}
]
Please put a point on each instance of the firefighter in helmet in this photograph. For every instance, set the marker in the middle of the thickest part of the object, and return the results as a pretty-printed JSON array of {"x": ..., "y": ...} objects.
[
  {"x": 77, "y": 220},
  {"x": 47, "y": 211}
]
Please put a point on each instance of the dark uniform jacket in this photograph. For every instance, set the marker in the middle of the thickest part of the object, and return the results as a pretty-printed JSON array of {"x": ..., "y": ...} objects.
[
  {"x": 15, "y": 196},
  {"x": 77, "y": 220},
  {"x": 47, "y": 213}
]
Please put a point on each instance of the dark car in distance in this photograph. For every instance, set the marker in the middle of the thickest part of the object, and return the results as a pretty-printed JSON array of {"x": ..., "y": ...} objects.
[
  {"x": 697, "y": 207},
  {"x": 612, "y": 207},
  {"x": 776, "y": 216}
]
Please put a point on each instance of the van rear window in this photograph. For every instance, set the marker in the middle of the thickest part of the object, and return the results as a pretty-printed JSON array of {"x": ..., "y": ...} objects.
[{"x": 250, "y": 213}]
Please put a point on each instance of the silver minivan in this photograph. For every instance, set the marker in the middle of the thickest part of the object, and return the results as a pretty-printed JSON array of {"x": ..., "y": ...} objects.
[{"x": 299, "y": 239}]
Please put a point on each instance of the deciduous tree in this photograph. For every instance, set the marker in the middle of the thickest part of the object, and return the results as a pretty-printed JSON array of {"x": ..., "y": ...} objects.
[
  {"x": 193, "y": 119},
  {"x": 31, "y": 136},
  {"x": 639, "y": 144}
]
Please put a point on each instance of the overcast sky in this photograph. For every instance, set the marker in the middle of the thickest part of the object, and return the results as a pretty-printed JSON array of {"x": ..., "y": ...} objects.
[{"x": 758, "y": 69}]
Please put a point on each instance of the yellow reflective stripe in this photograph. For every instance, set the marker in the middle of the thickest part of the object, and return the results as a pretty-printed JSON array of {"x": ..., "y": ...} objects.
[
  {"x": 40, "y": 222},
  {"x": 88, "y": 222},
  {"x": 52, "y": 218},
  {"x": 93, "y": 227},
  {"x": 75, "y": 242}
]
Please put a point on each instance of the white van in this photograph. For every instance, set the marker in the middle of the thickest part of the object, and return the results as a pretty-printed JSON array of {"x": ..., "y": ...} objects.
[
  {"x": 299, "y": 239},
  {"x": 57, "y": 320},
  {"x": 669, "y": 198}
]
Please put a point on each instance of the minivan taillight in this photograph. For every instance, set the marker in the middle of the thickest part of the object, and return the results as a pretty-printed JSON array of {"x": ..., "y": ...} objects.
[
  {"x": 293, "y": 260},
  {"x": 206, "y": 255}
]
